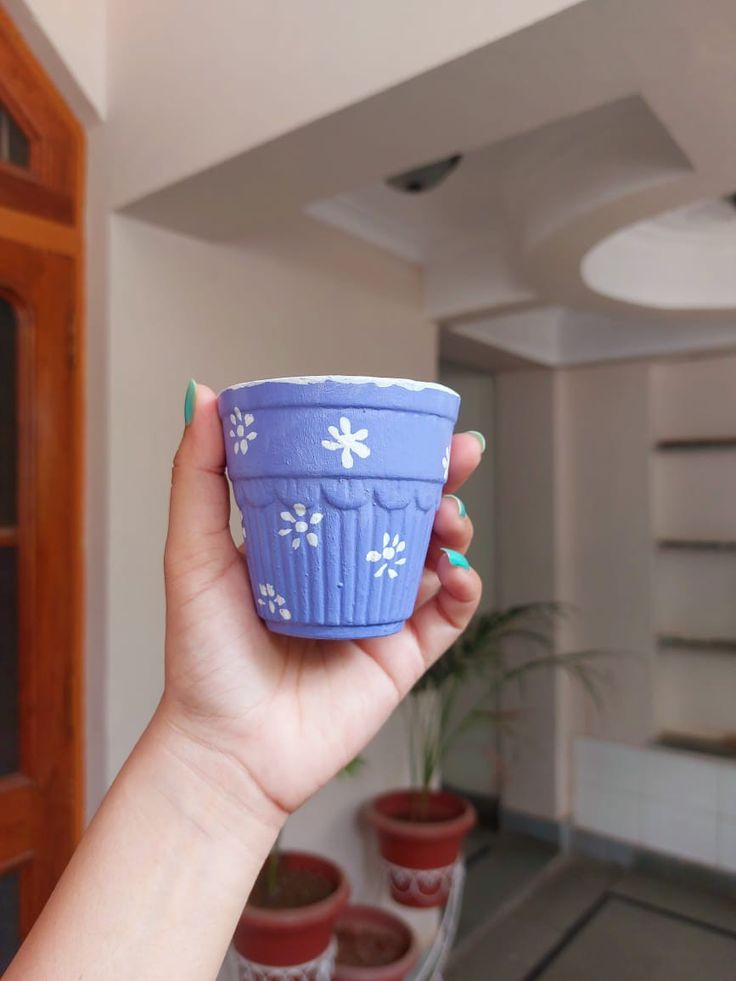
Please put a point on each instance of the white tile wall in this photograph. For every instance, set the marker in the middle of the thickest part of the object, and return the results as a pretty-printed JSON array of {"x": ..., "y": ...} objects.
[
  {"x": 681, "y": 779},
  {"x": 727, "y": 844},
  {"x": 727, "y": 792},
  {"x": 686, "y": 832},
  {"x": 609, "y": 765},
  {"x": 668, "y": 801},
  {"x": 610, "y": 812}
]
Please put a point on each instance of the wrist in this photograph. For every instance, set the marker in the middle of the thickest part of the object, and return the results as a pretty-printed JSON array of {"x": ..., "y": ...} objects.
[{"x": 209, "y": 786}]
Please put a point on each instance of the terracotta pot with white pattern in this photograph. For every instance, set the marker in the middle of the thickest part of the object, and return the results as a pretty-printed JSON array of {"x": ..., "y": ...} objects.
[
  {"x": 420, "y": 836},
  {"x": 293, "y": 943}
]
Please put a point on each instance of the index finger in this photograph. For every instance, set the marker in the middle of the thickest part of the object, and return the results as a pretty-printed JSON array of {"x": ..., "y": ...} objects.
[{"x": 466, "y": 452}]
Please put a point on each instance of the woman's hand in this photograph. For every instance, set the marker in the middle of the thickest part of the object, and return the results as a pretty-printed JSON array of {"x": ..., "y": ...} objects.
[
  {"x": 288, "y": 713},
  {"x": 250, "y": 724}
]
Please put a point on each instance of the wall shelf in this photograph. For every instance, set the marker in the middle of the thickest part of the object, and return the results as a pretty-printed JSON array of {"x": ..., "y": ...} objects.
[
  {"x": 707, "y": 746},
  {"x": 697, "y": 544},
  {"x": 718, "y": 645},
  {"x": 695, "y": 443}
]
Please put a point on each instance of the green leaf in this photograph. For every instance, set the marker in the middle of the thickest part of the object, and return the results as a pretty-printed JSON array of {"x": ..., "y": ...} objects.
[
  {"x": 353, "y": 767},
  {"x": 481, "y": 656}
]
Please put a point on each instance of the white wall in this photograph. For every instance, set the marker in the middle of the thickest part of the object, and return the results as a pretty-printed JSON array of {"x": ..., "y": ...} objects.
[
  {"x": 572, "y": 460},
  {"x": 313, "y": 302},
  {"x": 193, "y": 84},
  {"x": 70, "y": 41},
  {"x": 96, "y": 527},
  {"x": 471, "y": 763},
  {"x": 526, "y": 536},
  {"x": 604, "y": 541}
]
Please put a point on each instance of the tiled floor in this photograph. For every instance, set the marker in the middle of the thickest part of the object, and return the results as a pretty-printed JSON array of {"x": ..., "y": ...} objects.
[
  {"x": 624, "y": 940},
  {"x": 577, "y": 919},
  {"x": 497, "y": 866}
]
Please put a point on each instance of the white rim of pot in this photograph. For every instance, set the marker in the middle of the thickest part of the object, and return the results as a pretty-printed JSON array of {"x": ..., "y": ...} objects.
[{"x": 407, "y": 383}]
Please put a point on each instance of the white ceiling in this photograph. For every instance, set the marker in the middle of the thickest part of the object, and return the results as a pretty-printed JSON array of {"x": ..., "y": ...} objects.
[{"x": 577, "y": 133}]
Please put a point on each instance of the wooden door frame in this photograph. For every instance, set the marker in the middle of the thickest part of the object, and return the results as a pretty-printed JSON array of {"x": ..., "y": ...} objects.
[{"x": 41, "y": 224}]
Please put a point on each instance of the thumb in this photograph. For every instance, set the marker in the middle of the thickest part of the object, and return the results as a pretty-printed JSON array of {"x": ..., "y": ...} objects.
[{"x": 199, "y": 513}]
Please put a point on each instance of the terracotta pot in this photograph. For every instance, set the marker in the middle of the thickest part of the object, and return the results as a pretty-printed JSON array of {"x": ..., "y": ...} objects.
[
  {"x": 285, "y": 937},
  {"x": 420, "y": 853},
  {"x": 373, "y": 926}
]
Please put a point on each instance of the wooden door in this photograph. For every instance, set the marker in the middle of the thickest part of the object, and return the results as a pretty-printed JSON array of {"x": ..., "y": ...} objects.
[{"x": 40, "y": 488}]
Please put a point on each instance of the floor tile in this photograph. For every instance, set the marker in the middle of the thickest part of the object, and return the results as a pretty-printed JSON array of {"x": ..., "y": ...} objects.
[
  {"x": 497, "y": 872},
  {"x": 561, "y": 901},
  {"x": 681, "y": 898},
  {"x": 623, "y": 941},
  {"x": 505, "y": 953}
]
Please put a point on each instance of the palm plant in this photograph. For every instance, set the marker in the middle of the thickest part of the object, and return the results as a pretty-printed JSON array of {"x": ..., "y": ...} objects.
[{"x": 436, "y": 717}]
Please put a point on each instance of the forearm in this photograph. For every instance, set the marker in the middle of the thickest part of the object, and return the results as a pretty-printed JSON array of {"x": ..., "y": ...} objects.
[{"x": 157, "y": 884}]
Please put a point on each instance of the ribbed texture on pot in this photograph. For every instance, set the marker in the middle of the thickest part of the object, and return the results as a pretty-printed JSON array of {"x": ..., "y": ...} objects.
[{"x": 364, "y": 570}]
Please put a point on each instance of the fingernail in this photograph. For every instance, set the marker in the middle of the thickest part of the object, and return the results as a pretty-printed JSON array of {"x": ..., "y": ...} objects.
[
  {"x": 456, "y": 558},
  {"x": 480, "y": 437},
  {"x": 460, "y": 506},
  {"x": 189, "y": 401}
]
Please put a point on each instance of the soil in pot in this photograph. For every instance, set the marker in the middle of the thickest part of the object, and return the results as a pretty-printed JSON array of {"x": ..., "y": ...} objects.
[
  {"x": 290, "y": 888},
  {"x": 427, "y": 809},
  {"x": 373, "y": 945},
  {"x": 361, "y": 946}
]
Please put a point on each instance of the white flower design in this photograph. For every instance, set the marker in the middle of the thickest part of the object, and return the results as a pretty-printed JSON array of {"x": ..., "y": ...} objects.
[
  {"x": 347, "y": 441},
  {"x": 388, "y": 556},
  {"x": 446, "y": 464},
  {"x": 240, "y": 423},
  {"x": 273, "y": 600},
  {"x": 299, "y": 525}
]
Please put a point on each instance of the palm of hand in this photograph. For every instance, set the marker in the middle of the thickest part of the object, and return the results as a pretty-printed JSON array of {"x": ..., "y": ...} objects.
[{"x": 292, "y": 712}]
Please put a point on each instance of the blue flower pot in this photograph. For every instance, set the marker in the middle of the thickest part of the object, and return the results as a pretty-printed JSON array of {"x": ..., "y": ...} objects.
[{"x": 338, "y": 480}]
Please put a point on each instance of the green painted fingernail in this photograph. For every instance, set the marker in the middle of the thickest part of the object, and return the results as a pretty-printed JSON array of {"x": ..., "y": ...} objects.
[
  {"x": 189, "y": 401},
  {"x": 460, "y": 506},
  {"x": 480, "y": 437},
  {"x": 456, "y": 558}
]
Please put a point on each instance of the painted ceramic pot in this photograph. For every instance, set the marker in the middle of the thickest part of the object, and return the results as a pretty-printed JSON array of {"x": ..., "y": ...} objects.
[
  {"x": 373, "y": 945},
  {"x": 338, "y": 480},
  {"x": 270, "y": 941},
  {"x": 420, "y": 838}
]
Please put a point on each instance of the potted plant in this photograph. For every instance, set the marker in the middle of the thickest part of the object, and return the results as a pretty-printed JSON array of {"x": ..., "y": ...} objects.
[
  {"x": 421, "y": 829},
  {"x": 373, "y": 945},
  {"x": 290, "y": 917}
]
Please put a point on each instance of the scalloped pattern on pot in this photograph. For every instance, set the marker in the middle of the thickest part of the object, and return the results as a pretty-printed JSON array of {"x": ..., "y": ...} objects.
[
  {"x": 283, "y": 493},
  {"x": 420, "y": 887},
  {"x": 320, "y": 969}
]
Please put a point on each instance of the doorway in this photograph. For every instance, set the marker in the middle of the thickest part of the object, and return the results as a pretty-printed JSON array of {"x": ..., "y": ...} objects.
[{"x": 41, "y": 155}]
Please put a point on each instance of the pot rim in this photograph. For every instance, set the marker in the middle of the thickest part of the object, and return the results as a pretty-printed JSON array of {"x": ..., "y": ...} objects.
[
  {"x": 378, "y": 380},
  {"x": 355, "y": 913},
  {"x": 301, "y": 916},
  {"x": 459, "y": 824}
]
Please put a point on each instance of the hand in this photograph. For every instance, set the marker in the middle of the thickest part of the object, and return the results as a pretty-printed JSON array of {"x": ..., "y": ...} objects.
[{"x": 289, "y": 712}]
